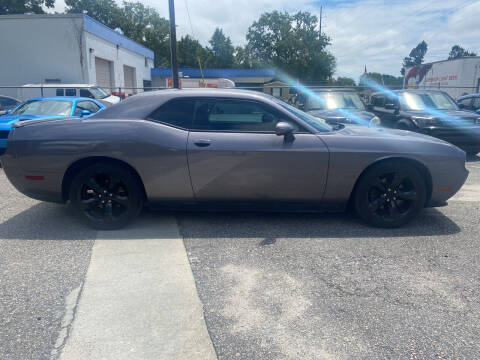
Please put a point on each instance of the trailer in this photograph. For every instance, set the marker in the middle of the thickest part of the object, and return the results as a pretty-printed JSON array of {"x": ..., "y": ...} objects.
[{"x": 456, "y": 77}]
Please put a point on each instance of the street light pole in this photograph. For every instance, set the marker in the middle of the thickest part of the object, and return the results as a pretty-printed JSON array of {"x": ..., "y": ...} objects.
[{"x": 173, "y": 44}]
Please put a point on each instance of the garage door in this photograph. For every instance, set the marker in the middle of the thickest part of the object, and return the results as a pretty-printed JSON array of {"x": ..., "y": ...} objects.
[
  {"x": 102, "y": 68},
  {"x": 129, "y": 74}
]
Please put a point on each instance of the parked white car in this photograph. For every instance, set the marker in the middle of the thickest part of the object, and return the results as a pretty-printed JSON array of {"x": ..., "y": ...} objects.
[{"x": 82, "y": 90}]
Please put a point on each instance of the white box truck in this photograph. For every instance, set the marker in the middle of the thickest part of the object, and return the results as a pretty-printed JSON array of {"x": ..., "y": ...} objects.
[{"x": 456, "y": 77}]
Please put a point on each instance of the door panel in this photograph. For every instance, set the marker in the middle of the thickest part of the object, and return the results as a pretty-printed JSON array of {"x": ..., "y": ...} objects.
[{"x": 257, "y": 166}]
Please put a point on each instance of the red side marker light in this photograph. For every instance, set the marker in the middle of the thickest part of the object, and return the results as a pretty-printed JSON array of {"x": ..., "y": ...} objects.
[
  {"x": 31, "y": 177},
  {"x": 444, "y": 188}
]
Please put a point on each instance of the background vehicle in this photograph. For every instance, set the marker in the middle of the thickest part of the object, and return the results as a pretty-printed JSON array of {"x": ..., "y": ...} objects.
[
  {"x": 469, "y": 102},
  {"x": 7, "y": 103},
  {"x": 430, "y": 112},
  {"x": 456, "y": 77},
  {"x": 77, "y": 90},
  {"x": 336, "y": 106},
  {"x": 41, "y": 108},
  {"x": 227, "y": 148}
]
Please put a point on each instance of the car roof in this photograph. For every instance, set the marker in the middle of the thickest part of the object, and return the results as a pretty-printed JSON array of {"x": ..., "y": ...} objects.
[
  {"x": 333, "y": 89},
  {"x": 8, "y": 97},
  {"x": 61, "y": 85},
  {"x": 468, "y": 96},
  {"x": 143, "y": 104},
  {"x": 419, "y": 91},
  {"x": 61, "y": 98}
]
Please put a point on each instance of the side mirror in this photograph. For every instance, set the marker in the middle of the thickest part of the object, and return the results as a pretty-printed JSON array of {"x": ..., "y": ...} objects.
[
  {"x": 8, "y": 111},
  {"x": 284, "y": 129},
  {"x": 85, "y": 113},
  {"x": 390, "y": 106},
  {"x": 461, "y": 106}
]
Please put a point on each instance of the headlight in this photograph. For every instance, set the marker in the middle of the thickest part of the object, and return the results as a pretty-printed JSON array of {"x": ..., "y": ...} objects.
[
  {"x": 375, "y": 121},
  {"x": 424, "y": 121}
]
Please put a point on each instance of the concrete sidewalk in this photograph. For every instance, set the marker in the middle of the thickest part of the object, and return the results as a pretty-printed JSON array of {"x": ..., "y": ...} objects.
[{"x": 139, "y": 300}]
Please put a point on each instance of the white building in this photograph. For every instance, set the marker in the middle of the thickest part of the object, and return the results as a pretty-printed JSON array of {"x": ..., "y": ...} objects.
[{"x": 69, "y": 49}]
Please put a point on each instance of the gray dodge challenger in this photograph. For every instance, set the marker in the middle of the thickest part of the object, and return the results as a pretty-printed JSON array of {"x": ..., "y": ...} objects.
[{"x": 227, "y": 149}]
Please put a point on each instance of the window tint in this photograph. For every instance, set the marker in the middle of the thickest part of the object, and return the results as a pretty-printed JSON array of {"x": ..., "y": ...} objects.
[
  {"x": 86, "y": 105},
  {"x": 378, "y": 101},
  {"x": 476, "y": 103},
  {"x": 70, "y": 92},
  {"x": 176, "y": 113},
  {"x": 236, "y": 115},
  {"x": 7, "y": 102},
  {"x": 86, "y": 93}
]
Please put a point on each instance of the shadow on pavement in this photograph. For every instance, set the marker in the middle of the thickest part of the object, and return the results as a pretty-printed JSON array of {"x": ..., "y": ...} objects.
[{"x": 45, "y": 221}]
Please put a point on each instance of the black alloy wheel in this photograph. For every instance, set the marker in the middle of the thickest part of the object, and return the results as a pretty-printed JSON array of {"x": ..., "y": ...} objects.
[
  {"x": 106, "y": 196},
  {"x": 390, "y": 195}
]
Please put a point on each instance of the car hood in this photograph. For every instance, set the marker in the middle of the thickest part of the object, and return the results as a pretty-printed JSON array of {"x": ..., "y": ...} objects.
[
  {"x": 448, "y": 113},
  {"x": 388, "y": 134},
  {"x": 343, "y": 116},
  {"x": 10, "y": 119}
]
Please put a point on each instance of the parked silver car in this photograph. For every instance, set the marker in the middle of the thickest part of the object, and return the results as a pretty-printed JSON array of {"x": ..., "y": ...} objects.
[{"x": 227, "y": 149}]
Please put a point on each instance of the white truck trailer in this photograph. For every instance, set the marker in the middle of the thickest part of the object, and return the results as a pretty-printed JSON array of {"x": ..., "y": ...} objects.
[{"x": 456, "y": 77}]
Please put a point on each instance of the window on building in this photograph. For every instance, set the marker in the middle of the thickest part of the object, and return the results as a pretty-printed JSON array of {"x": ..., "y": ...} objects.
[
  {"x": 70, "y": 92},
  {"x": 60, "y": 92},
  {"x": 178, "y": 113}
]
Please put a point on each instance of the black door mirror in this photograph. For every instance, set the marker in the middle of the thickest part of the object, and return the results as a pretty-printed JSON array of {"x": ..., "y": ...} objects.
[
  {"x": 390, "y": 106},
  {"x": 284, "y": 129},
  {"x": 461, "y": 106}
]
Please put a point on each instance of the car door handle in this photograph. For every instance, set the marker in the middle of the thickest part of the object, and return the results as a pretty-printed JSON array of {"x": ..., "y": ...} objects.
[{"x": 202, "y": 143}]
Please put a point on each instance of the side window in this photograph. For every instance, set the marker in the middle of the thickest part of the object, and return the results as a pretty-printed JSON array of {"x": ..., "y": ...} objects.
[
  {"x": 86, "y": 105},
  {"x": 86, "y": 93},
  {"x": 236, "y": 115},
  {"x": 476, "y": 103},
  {"x": 466, "y": 103},
  {"x": 60, "y": 92},
  {"x": 70, "y": 92},
  {"x": 378, "y": 101},
  {"x": 178, "y": 113}
]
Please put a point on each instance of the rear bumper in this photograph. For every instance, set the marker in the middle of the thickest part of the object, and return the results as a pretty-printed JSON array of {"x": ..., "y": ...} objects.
[{"x": 467, "y": 139}]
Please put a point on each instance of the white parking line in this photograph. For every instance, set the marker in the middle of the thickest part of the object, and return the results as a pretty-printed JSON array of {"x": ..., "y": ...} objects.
[{"x": 139, "y": 300}]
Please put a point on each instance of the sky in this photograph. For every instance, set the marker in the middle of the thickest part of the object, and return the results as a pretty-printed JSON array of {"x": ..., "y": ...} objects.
[{"x": 377, "y": 34}]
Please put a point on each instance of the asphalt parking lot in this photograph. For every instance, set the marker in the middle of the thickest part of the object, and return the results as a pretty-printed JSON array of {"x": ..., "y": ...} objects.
[{"x": 272, "y": 286}]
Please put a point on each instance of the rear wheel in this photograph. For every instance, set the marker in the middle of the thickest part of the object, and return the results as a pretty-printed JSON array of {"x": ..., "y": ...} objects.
[
  {"x": 106, "y": 196},
  {"x": 390, "y": 195}
]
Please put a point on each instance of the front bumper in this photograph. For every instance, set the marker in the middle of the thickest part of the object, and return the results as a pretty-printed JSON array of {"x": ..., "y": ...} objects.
[{"x": 467, "y": 139}]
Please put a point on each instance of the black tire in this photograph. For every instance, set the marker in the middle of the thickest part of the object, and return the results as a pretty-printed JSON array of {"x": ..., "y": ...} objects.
[
  {"x": 390, "y": 194},
  {"x": 106, "y": 196},
  {"x": 405, "y": 125}
]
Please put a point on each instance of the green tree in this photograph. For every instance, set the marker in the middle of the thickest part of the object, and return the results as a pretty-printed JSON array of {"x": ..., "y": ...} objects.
[
  {"x": 459, "y": 52},
  {"x": 386, "y": 80},
  {"x": 221, "y": 50},
  {"x": 416, "y": 56},
  {"x": 8, "y": 7},
  {"x": 189, "y": 51},
  {"x": 105, "y": 11},
  {"x": 343, "y": 81},
  {"x": 137, "y": 21},
  {"x": 292, "y": 44}
]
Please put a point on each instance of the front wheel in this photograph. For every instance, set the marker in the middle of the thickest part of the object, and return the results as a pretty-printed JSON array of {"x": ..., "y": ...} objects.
[
  {"x": 390, "y": 195},
  {"x": 106, "y": 196}
]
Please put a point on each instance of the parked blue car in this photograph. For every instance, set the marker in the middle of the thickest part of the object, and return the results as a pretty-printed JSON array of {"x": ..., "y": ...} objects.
[
  {"x": 46, "y": 107},
  {"x": 469, "y": 102}
]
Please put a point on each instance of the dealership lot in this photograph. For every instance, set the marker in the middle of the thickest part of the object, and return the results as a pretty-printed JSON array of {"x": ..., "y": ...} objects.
[{"x": 272, "y": 286}]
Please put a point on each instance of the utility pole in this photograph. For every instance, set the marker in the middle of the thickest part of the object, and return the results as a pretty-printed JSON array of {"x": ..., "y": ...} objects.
[
  {"x": 320, "y": 27},
  {"x": 173, "y": 44}
]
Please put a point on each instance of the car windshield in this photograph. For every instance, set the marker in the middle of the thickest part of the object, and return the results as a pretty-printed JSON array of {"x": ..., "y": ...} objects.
[
  {"x": 335, "y": 100},
  {"x": 423, "y": 101},
  {"x": 99, "y": 93},
  {"x": 44, "y": 107},
  {"x": 317, "y": 123}
]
